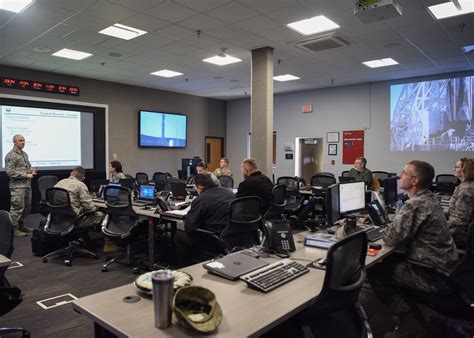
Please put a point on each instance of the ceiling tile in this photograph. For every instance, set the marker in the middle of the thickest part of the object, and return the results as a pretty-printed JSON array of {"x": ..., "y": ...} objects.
[
  {"x": 178, "y": 47},
  {"x": 108, "y": 11},
  {"x": 202, "y": 5},
  {"x": 86, "y": 36},
  {"x": 258, "y": 24},
  {"x": 201, "y": 22},
  {"x": 175, "y": 32},
  {"x": 171, "y": 12},
  {"x": 203, "y": 41},
  {"x": 144, "y": 22},
  {"x": 232, "y": 12},
  {"x": 138, "y": 5}
]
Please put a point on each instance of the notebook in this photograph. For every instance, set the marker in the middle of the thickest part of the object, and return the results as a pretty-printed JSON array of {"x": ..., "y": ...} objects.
[{"x": 234, "y": 265}]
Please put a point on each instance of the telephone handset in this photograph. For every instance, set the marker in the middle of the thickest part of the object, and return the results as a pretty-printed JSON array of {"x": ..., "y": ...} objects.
[
  {"x": 278, "y": 236},
  {"x": 377, "y": 213},
  {"x": 165, "y": 195},
  {"x": 161, "y": 205}
]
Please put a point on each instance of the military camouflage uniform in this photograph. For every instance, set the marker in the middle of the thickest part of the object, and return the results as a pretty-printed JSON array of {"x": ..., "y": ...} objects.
[
  {"x": 461, "y": 212},
  {"x": 223, "y": 172},
  {"x": 81, "y": 200},
  {"x": 365, "y": 175},
  {"x": 420, "y": 232},
  {"x": 17, "y": 167}
]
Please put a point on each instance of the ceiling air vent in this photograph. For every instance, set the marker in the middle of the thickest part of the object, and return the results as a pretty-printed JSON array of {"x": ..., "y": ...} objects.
[{"x": 323, "y": 43}]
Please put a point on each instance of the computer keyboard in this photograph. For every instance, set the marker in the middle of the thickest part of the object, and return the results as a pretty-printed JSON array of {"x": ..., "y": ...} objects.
[
  {"x": 374, "y": 233},
  {"x": 274, "y": 275}
]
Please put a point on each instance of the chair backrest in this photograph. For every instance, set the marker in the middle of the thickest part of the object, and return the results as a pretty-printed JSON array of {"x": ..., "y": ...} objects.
[
  {"x": 447, "y": 178},
  {"x": 142, "y": 178},
  {"x": 120, "y": 219},
  {"x": 277, "y": 207},
  {"x": 345, "y": 173},
  {"x": 323, "y": 180},
  {"x": 327, "y": 173},
  {"x": 128, "y": 176},
  {"x": 160, "y": 180},
  {"x": 291, "y": 183},
  {"x": 345, "y": 274},
  {"x": 463, "y": 272},
  {"x": 6, "y": 234},
  {"x": 45, "y": 182},
  {"x": 244, "y": 221},
  {"x": 61, "y": 214},
  {"x": 381, "y": 175},
  {"x": 226, "y": 181}
]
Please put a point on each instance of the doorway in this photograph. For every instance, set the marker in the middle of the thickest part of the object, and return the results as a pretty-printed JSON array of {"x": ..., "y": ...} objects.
[
  {"x": 214, "y": 151},
  {"x": 308, "y": 157}
]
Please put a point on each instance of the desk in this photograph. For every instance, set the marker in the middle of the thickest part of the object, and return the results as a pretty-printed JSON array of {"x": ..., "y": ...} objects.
[
  {"x": 246, "y": 312},
  {"x": 4, "y": 261}
]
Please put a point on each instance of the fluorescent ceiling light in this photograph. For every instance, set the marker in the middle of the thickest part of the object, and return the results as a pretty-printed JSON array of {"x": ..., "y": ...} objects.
[
  {"x": 166, "y": 73},
  {"x": 450, "y": 9},
  {"x": 380, "y": 63},
  {"x": 72, "y": 54},
  {"x": 222, "y": 59},
  {"x": 122, "y": 32},
  {"x": 15, "y": 5},
  {"x": 314, "y": 25},
  {"x": 286, "y": 77},
  {"x": 468, "y": 49}
]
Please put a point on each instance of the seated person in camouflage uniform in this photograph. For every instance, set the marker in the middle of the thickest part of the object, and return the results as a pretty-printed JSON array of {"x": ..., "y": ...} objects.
[
  {"x": 201, "y": 169},
  {"x": 360, "y": 171},
  {"x": 81, "y": 200},
  {"x": 223, "y": 169},
  {"x": 419, "y": 233},
  {"x": 461, "y": 205}
]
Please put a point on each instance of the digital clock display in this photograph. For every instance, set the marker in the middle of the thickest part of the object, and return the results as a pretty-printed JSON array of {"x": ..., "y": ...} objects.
[{"x": 9, "y": 82}]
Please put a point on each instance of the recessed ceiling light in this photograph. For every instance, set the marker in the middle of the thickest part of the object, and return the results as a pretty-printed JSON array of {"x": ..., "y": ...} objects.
[
  {"x": 468, "y": 49},
  {"x": 450, "y": 9},
  {"x": 314, "y": 25},
  {"x": 166, "y": 73},
  {"x": 122, "y": 32},
  {"x": 222, "y": 59},
  {"x": 15, "y": 5},
  {"x": 380, "y": 63},
  {"x": 286, "y": 77},
  {"x": 71, "y": 54}
]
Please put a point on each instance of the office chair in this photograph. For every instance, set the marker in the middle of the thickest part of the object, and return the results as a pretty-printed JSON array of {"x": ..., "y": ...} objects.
[
  {"x": 446, "y": 183},
  {"x": 64, "y": 223},
  {"x": 345, "y": 173},
  {"x": 45, "y": 182},
  {"x": 128, "y": 176},
  {"x": 327, "y": 173},
  {"x": 120, "y": 223},
  {"x": 277, "y": 207},
  {"x": 335, "y": 311},
  {"x": 226, "y": 181},
  {"x": 10, "y": 296},
  {"x": 381, "y": 176},
  {"x": 160, "y": 180},
  {"x": 141, "y": 178},
  {"x": 323, "y": 180},
  {"x": 455, "y": 308},
  {"x": 293, "y": 195}
]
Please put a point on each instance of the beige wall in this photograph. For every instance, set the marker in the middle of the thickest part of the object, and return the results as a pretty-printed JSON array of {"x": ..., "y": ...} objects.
[{"x": 206, "y": 117}]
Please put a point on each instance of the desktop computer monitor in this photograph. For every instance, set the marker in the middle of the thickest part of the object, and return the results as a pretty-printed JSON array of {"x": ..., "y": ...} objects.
[
  {"x": 390, "y": 193},
  {"x": 188, "y": 166},
  {"x": 332, "y": 204},
  {"x": 127, "y": 183},
  {"x": 351, "y": 197}
]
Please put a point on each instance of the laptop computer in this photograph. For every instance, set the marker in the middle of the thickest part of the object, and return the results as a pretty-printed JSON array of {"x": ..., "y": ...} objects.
[
  {"x": 146, "y": 195},
  {"x": 178, "y": 190},
  {"x": 234, "y": 265}
]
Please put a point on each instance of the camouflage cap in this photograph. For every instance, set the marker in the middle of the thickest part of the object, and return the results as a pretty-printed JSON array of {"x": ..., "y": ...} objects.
[{"x": 195, "y": 307}]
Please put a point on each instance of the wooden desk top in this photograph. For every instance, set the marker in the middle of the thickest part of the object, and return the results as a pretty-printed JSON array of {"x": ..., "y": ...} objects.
[{"x": 246, "y": 312}]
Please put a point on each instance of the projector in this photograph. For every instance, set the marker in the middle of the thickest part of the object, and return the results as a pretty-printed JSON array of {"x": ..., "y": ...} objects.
[{"x": 369, "y": 11}]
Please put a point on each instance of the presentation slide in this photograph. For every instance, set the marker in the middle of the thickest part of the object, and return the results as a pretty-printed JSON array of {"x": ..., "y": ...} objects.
[
  {"x": 162, "y": 130},
  {"x": 54, "y": 137},
  {"x": 432, "y": 115}
]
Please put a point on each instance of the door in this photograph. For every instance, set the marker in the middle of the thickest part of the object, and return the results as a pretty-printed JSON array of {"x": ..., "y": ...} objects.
[
  {"x": 309, "y": 157},
  {"x": 214, "y": 151}
]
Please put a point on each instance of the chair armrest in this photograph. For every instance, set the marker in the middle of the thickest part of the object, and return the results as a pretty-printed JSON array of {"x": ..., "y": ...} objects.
[{"x": 206, "y": 232}]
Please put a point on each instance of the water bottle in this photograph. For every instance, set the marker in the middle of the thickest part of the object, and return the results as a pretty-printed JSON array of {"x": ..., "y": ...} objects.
[{"x": 162, "y": 297}]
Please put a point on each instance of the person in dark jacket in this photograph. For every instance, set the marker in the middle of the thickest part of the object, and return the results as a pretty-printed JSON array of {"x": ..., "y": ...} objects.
[{"x": 255, "y": 183}]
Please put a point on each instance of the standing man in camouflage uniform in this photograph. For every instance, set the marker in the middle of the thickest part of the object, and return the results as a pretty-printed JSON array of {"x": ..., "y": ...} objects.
[
  {"x": 19, "y": 170},
  {"x": 419, "y": 234}
]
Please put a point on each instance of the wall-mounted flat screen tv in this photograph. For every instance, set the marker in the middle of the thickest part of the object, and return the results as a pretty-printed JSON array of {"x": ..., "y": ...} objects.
[{"x": 163, "y": 130}]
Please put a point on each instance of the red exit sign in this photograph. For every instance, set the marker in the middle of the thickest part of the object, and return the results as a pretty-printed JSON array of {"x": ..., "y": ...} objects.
[{"x": 308, "y": 108}]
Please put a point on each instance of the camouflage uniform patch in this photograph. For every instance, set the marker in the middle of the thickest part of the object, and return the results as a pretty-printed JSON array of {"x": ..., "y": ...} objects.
[{"x": 461, "y": 212}]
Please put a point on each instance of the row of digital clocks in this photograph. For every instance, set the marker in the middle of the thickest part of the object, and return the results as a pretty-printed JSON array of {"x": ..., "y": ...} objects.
[{"x": 9, "y": 82}]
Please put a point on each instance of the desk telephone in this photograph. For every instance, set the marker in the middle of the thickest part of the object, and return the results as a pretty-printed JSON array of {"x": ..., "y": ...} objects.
[
  {"x": 161, "y": 205},
  {"x": 377, "y": 213},
  {"x": 278, "y": 236}
]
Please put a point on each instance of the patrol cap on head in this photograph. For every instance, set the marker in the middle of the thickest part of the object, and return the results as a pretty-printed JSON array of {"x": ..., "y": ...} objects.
[{"x": 195, "y": 307}]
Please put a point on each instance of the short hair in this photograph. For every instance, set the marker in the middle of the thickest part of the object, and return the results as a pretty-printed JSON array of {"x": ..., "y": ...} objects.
[
  {"x": 204, "y": 180},
  {"x": 424, "y": 172},
  {"x": 79, "y": 172},
  {"x": 250, "y": 162},
  {"x": 362, "y": 159},
  {"x": 201, "y": 164},
  {"x": 15, "y": 136},
  {"x": 225, "y": 159},
  {"x": 467, "y": 167},
  {"x": 117, "y": 166}
]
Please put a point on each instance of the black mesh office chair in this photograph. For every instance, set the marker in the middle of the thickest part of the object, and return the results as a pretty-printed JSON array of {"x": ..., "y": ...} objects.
[
  {"x": 323, "y": 180},
  {"x": 45, "y": 182},
  {"x": 293, "y": 195},
  {"x": 160, "y": 180},
  {"x": 335, "y": 311},
  {"x": 141, "y": 178},
  {"x": 277, "y": 207},
  {"x": 345, "y": 173},
  {"x": 64, "y": 223},
  {"x": 10, "y": 296},
  {"x": 120, "y": 224},
  {"x": 226, "y": 181},
  {"x": 445, "y": 183},
  {"x": 327, "y": 173}
]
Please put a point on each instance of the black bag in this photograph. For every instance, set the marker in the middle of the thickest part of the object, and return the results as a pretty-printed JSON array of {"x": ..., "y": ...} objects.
[{"x": 42, "y": 243}]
